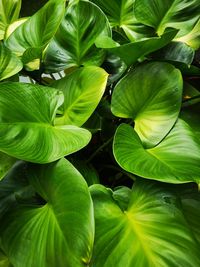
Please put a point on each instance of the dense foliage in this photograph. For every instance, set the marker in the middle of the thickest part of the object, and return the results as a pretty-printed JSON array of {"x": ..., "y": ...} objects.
[{"x": 100, "y": 133}]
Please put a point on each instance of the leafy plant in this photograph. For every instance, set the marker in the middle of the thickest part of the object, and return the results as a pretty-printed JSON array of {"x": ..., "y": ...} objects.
[{"x": 100, "y": 133}]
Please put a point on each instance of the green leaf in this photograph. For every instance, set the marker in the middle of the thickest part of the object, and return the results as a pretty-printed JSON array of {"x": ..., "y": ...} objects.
[
  {"x": 57, "y": 233},
  {"x": 175, "y": 51},
  {"x": 190, "y": 115},
  {"x": 82, "y": 91},
  {"x": 131, "y": 52},
  {"x": 172, "y": 13},
  {"x": 6, "y": 162},
  {"x": 153, "y": 104},
  {"x": 15, "y": 188},
  {"x": 4, "y": 261},
  {"x": 192, "y": 38},
  {"x": 151, "y": 231},
  {"x": 73, "y": 44},
  {"x": 190, "y": 200},
  {"x": 174, "y": 160},
  {"x": 120, "y": 14},
  {"x": 38, "y": 30},
  {"x": 87, "y": 170},
  {"x": 27, "y": 124},
  {"x": 9, "y": 63},
  {"x": 9, "y": 12}
]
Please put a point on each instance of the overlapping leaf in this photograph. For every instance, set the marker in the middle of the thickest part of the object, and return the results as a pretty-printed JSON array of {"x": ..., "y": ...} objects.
[
  {"x": 6, "y": 162},
  {"x": 9, "y": 12},
  {"x": 82, "y": 91},
  {"x": 131, "y": 52},
  {"x": 151, "y": 96},
  {"x": 37, "y": 31},
  {"x": 175, "y": 160},
  {"x": 193, "y": 37},
  {"x": 27, "y": 124},
  {"x": 57, "y": 233},
  {"x": 172, "y": 13},
  {"x": 9, "y": 63},
  {"x": 175, "y": 52},
  {"x": 73, "y": 44},
  {"x": 120, "y": 14},
  {"x": 145, "y": 227}
]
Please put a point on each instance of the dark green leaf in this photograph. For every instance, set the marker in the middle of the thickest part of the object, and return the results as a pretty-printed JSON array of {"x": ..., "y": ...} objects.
[
  {"x": 178, "y": 14},
  {"x": 58, "y": 233},
  {"x": 131, "y": 52},
  {"x": 73, "y": 44}
]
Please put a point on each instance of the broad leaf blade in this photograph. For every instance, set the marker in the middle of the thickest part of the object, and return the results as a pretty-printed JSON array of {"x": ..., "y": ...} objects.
[
  {"x": 82, "y": 91},
  {"x": 153, "y": 104},
  {"x": 172, "y": 13},
  {"x": 9, "y": 63},
  {"x": 175, "y": 52},
  {"x": 27, "y": 127},
  {"x": 174, "y": 160},
  {"x": 9, "y": 12},
  {"x": 37, "y": 31},
  {"x": 121, "y": 17},
  {"x": 152, "y": 231},
  {"x": 131, "y": 52},
  {"x": 73, "y": 44},
  {"x": 60, "y": 232}
]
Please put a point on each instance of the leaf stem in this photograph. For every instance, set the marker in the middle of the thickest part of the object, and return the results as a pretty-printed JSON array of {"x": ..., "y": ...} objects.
[{"x": 99, "y": 149}]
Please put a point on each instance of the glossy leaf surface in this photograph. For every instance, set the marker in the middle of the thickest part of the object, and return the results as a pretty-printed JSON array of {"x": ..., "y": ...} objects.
[
  {"x": 174, "y": 160},
  {"x": 9, "y": 63},
  {"x": 131, "y": 52},
  {"x": 153, "y": 104},
  {"x": 150, "y": 229},
  {"x": 60, "y": 232},
  {"x": 175, "y": 51},
  {"x": 172, "y": 13},
  {"x": 82, "y": 91},
  {"x": 27, "y": 124},
  {"x": 121, "y": 15},
  {"x": 37, "y": 31},
  {"x": 73, "y": 44},
  {"x": 9, "y": 12}
]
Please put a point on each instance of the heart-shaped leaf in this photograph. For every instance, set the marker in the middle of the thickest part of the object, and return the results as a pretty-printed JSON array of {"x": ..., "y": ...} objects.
[
  {"x": 9, "y": 12},
  {"x": 131, "y": 52},
  {"x": 9, "y": 63},
  {"x": 149, "y": 229},
  {"x": 73, "y": 44},
  {"x": 175, "y": 160},
  {"x": 82, "y": 90},
  {"x": 153, "y": 104},
  {"x": 27, "y": 124},
  {"x": 37, "y": 31},
  {"x": 57, "y": 233},
  {"x": 178, "y": 14}
]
